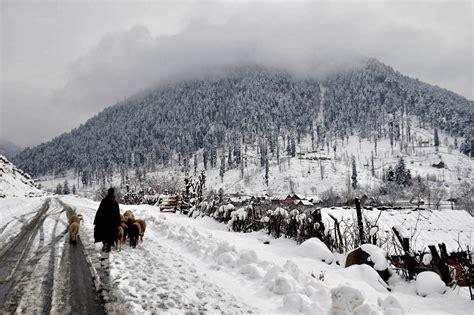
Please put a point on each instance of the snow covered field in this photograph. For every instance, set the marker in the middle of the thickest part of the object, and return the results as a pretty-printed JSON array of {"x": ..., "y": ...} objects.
[
  {"x": 197, "y": 265},
  {"x": 425, "y": 227}
]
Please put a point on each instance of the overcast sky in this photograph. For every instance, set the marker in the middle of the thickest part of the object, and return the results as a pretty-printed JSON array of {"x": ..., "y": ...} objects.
[{"x": 64, "y": 61}]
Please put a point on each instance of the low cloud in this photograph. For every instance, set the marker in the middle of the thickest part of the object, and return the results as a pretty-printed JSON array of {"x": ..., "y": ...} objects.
[{"x": 429, "y": 41}]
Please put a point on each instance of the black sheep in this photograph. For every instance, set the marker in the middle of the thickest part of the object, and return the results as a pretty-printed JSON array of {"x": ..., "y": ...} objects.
[{"x": 133, "y": 232}]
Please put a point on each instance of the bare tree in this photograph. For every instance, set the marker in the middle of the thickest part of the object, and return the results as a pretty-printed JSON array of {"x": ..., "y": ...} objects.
[{"x": 437, "y": 194}]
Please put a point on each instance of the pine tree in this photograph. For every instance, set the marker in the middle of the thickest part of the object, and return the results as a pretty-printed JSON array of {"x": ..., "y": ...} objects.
[
  {"x": 66, "y": 190},
  {"x": 372, "y": 164},
  {"x": 204, "y": 159},
  {"x": 59, "y": 189},
  {"x": 293, "y": 147},
  {"x": 73, "y": 189},
  {"x": 242, "y": 166},
  {"x": 266, "y": 171},
  {"x": 222, "y": 168},
  {"x": 354, "y": 173},
  {"x": 436, "y": 138},
  {"x": 390, "y": 175},
  {"x": 402, "y": 175},
  {"x": 84, "y": 178},
  {"x": 195, "y": 164}
]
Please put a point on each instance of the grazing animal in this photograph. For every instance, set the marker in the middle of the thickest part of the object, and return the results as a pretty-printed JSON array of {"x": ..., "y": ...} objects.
[
  {"x": 75, "y": 218},
  {"x": 125, "y": 228},
  {"x": 73, "y": 231},
  {"x": 119, "y": 241},
  {"x": 142, "y": 228},
  {"x": 133, "y": 232},
  {"x": 128, "y": 215}
]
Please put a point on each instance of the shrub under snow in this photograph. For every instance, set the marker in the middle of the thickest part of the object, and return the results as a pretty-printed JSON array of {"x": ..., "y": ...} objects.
[
  {"x": 429, "y": 282},
  {"x": 314, "y": 248}
]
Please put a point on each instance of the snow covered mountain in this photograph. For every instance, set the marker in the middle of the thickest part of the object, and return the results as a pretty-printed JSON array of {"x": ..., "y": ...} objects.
[
  {"x": 15, "y": 182},
  {"x": 251, "y": 105}
]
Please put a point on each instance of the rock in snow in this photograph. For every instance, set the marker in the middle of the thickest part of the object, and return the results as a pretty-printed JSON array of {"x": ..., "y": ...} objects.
[{"x": 429, "y": 282}]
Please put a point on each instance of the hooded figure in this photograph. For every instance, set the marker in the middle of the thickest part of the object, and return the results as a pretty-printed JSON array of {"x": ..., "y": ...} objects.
[{"x": 107, "y": 220}]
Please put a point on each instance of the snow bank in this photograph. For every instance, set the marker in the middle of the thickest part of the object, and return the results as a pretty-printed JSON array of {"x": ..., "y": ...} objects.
[
  {"x": 297, "y": 302},
  {"x": 391, "y": 306},
  {"x": 377, "y": 256},
  {"x": 428, "y": 282},
  {"x": 314, "y": 248},
  {"x": 345, "y": 300},
  {"x": 367, "y": 274},
  {"x": 283, "y": 284}
]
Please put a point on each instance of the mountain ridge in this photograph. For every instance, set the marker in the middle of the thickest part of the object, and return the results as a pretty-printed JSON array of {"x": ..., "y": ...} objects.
[{"x": 169, "y": 124}]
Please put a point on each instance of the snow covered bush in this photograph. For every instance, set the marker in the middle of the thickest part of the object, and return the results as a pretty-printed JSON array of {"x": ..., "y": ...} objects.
[
  {"x": 293, "y": 224},
  {"x": 277, "y": 222},
  {"x": 222, "y": 214},
  {"x": 428, "y": 282},
  {"x": 240, "y": 220},
  {"x": 315, "y": 248}
]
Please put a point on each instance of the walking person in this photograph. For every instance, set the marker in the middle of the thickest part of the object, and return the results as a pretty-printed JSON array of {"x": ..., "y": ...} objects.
[{"x": 107, "y": 221}]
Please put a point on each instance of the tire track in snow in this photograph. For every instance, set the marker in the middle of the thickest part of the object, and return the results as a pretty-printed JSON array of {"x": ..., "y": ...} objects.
[
  {"x": 14, "y": 265},
  {"x": 77, "y": 286}
]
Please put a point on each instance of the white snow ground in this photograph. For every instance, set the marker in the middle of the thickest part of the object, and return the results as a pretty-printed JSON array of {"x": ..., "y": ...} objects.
[{"x": 196, "y": 265}]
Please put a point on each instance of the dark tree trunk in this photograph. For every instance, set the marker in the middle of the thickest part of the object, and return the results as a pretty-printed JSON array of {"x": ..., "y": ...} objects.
[{"x": 359, "y": 221}]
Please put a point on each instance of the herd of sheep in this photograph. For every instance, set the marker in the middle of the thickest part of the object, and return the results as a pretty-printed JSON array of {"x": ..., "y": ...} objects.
[{"x": 131, "y": 228}]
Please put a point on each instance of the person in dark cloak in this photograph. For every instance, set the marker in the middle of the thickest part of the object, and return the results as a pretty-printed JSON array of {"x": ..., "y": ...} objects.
[{"x": 107, "y": 221}]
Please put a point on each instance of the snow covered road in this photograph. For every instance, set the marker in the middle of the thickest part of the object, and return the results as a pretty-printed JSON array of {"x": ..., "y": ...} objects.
[{"x": 40, "y": 271}]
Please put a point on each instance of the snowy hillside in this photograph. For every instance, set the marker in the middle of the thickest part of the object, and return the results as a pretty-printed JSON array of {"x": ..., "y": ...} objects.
[
  {"x": 14, "y": 182},
  {"x": 216, "y": 119},
  {"x": 318, "y": 173}
]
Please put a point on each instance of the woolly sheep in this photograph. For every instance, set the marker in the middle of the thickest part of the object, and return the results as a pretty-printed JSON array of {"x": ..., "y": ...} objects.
[
  {"x": 142, "y": 228},
  {"x": 73, "y": 231}
]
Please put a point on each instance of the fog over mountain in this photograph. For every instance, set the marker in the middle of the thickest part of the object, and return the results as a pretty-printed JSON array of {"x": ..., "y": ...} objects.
[
  {"x": 104, "y": 54},
  {"x": 219, "y": 115}
]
